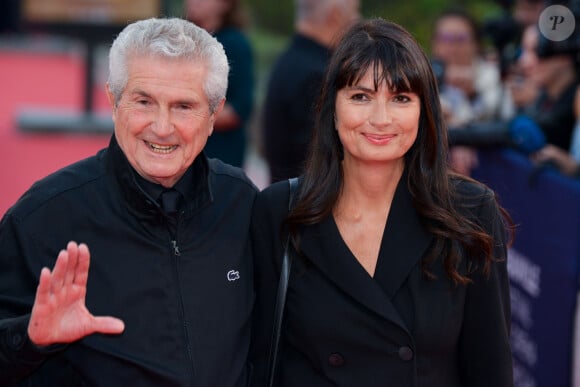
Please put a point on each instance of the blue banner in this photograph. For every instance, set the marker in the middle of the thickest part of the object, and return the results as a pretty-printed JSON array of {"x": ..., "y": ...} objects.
[{"x": 543, "y": 264}]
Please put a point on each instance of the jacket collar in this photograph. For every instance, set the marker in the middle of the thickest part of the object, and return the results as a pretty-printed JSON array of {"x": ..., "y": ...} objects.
[
  {"x": 403, "y": 245},
  {"x": 197, "y": 195}
]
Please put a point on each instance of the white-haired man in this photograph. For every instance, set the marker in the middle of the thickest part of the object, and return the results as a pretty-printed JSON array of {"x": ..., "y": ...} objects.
[{"x": 166, "y": 228}]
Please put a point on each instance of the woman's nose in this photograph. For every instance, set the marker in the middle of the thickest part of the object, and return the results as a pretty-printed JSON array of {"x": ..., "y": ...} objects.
[{"x": 380, "y": 115}]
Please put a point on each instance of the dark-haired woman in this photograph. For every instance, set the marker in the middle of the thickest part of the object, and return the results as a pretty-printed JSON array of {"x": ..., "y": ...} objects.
[{"x": 399, "y": 271}]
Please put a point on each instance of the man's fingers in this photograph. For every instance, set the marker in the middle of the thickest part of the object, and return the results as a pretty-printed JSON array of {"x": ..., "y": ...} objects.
[
  {"x": 43, "y": 289},
  {"x": 59, "y": 271},
  {"x": 73, "y": 256},
  {"x": 108, "y": 325},
  {"x": 82, "y": 269}
]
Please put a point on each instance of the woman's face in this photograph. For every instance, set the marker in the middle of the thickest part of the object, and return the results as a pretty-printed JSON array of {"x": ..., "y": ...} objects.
[
  {"x": 453, "y": 41},
  {"x": 207, "y": 14},
  {"x": 376, "y": 126}
]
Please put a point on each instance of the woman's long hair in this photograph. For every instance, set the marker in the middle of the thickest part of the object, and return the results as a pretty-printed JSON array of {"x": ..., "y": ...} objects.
[{"x": 395, "y": 57}]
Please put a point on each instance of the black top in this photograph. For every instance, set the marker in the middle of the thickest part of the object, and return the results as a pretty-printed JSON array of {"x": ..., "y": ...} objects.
[
  {"x": 343, "y": 327},
  {"x": 185, "y": 296},
  {"x": 183, "y": 186},
  {"x": 292, "y": 91}
]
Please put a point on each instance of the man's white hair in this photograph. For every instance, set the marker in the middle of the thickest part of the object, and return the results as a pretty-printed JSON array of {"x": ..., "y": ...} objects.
[
  {"x": 169, "y": 38},
  {"x": 315, "y": 10}
]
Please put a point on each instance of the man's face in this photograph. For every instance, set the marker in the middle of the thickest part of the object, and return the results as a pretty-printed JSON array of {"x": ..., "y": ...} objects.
[{"x": 162, "y": 120}]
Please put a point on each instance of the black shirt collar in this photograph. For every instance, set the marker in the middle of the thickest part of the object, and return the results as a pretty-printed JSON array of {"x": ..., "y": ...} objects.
[
  {"x": 194, "y": 185},
  {"x": 184, "y": 185}
]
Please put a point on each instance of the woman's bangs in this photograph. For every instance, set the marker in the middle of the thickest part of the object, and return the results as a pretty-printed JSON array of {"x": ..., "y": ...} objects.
[
  {"x": 387, "y": 65},
  {"x": 353, "y": 71}
]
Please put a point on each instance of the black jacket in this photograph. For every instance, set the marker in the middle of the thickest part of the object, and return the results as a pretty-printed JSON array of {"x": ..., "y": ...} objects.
[
  {"x": 289, "y": 105},
  {"x": 186, "y": 298},
  {"x": 345, "y": 328}
]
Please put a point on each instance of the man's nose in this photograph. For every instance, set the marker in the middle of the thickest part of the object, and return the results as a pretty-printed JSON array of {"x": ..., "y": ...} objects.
[{"x": 162, "y": 124}]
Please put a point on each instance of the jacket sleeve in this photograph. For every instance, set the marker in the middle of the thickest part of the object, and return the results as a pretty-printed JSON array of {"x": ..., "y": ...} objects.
[
  {"x": 19, "y": 357},
  {"x": 484, "y": 353}
]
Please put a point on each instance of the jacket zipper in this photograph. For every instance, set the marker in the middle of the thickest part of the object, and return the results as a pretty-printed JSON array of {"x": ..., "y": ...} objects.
[
  {"x": 175, "y": 248},
  {"x": 176, "y": 253}
]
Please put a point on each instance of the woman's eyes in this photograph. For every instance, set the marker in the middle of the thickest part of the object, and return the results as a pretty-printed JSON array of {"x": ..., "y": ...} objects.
[
  {"x": 359, "y": 97},
  {"x": 400, "y": 98}
]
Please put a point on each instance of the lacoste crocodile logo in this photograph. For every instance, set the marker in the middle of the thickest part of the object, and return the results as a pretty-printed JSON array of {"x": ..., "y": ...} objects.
[{"x": 233, "y": 275}]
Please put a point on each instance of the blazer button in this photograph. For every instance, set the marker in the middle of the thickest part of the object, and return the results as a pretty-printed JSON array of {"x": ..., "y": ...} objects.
[
  {"x": 405, "y": 353},
  {"x": 336, "y": 360}
]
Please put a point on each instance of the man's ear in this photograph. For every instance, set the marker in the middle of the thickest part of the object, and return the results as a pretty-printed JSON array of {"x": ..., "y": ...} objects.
[
  {"x": 112, "y": 102},
  {"x": 110, "y": 97},
  {"x": 215, "y": 114},
  {"x": 220, "y": 107}
]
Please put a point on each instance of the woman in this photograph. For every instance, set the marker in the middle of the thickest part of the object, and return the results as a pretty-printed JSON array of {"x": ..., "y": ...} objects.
[
  {"x": 399, "y": 273},
  {"x": 226, "y": 20}
]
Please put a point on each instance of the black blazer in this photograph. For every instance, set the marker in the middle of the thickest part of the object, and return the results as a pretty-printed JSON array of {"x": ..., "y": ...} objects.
[{"x": 346, "y": 328}]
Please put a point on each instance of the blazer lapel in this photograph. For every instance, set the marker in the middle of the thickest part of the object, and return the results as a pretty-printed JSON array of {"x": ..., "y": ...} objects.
[
  {"x": 323, "y": 246},
  {"x": 404, "y": 242},
  {"x": 403, "y": 245}
]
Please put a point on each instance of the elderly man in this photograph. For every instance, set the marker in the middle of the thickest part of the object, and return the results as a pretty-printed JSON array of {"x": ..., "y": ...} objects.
[{"x": 167, "y": 230}]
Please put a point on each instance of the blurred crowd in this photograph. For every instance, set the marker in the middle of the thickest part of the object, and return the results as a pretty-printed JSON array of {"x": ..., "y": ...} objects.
[{"x": 521, "y": 93}]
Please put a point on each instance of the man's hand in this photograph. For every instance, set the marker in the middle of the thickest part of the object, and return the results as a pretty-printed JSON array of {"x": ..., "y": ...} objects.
[{"x": 59, "y": 314}]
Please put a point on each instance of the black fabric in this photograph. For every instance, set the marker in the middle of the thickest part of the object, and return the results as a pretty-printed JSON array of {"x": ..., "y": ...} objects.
[
  {"x": 281, "y": 295},
  {"x": 556, "y": 117},
  {"x": 345, "y": 328},
  {"x": 170, "y": 200},
  {"x": 292, "y": 91},
  {"x": 185, "y": 297}
]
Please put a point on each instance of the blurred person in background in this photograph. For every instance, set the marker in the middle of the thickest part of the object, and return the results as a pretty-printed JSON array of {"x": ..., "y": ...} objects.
[
  {"x": 523, "y": 14},
  {"x": 567, "y": 162},
  {"x": 504, "y": 32},
  {"x": 226, "y": 20},
  {"x": 527, "y": 12},
  {"x": 295, "y": 81},
  {"x": 470, "y": 84},
  {"x": 546, "y": 88}
]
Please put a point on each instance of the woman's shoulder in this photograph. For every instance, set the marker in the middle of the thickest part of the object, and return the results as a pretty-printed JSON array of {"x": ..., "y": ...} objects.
[{"x": 273, "y": 199}]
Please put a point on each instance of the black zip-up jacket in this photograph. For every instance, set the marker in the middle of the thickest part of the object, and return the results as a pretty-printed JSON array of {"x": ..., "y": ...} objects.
[{"x": 185, "y": 296}]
